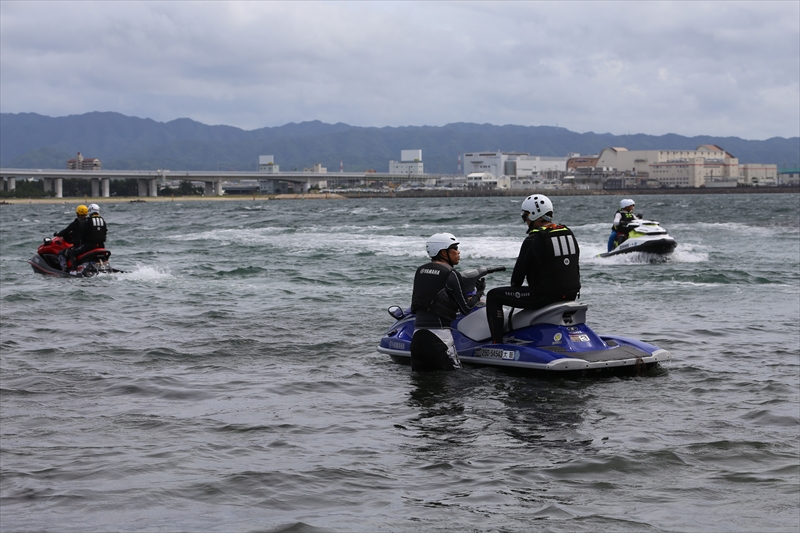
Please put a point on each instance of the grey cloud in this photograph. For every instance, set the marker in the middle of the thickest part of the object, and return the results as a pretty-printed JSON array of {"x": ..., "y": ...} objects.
[{"x": 721, "y": 68}]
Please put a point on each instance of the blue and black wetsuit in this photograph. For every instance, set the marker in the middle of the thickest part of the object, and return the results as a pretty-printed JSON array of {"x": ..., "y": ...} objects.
[
  {"x": 437, "y": 298},
  {"x": 439, "y": 295}
]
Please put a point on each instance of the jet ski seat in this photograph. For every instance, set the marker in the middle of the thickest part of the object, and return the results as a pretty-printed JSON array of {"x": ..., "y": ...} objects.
[
  {"x": 476, "y": 327},
  {"x": 558, "y": 314}
]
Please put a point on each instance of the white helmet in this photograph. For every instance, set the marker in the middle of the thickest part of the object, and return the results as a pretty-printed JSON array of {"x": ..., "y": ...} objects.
[
  {"x": 538, "y": 205},
  {"x": 625, "y": 203},
  {"x": 438, "y": 242},
  {"x": 94, "y": 208}
]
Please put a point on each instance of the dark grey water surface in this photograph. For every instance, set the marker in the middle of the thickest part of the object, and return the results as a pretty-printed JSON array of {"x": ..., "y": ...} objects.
[{"x": 230, "y": 382}]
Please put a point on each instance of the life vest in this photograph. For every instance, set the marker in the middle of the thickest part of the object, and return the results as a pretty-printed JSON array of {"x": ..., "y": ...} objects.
[
  {"x": 430, "y": 293},
  {"x": 623, "y": 219},
  {"x": 94, "y": 230},
  {"x": 555, "y": 271}
]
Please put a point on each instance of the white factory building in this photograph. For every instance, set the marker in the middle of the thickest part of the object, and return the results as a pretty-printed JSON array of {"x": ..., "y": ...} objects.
[
  {"x": 515, "y": 164},
  {"x": 410, "y": 163},
  {"x": 266, "y": 163}
]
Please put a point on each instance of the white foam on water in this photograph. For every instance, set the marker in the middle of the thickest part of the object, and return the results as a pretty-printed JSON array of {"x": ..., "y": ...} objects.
[
  {"x": 379, "y": 240},
  {"x": 236, "y": 236},
  {"x": 493, "y": 248},
  {"x": 146, "y": 273},
  {"x": 682, "y": 254}
]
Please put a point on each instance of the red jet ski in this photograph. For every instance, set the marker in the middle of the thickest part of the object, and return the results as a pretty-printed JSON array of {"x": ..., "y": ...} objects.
[{"x": 46, "y": 260}]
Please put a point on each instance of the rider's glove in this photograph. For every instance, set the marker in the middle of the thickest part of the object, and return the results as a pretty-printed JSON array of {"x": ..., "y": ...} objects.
[
  {"x": 55, "y": 234},
  {"x": 480, "y": 285}
]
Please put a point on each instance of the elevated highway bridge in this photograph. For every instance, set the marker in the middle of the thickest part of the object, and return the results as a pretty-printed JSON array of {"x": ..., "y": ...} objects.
[{"x": 149, "y": 180}]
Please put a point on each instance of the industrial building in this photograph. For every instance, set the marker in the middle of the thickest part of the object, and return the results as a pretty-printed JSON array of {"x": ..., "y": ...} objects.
[
  {"x": 789, "y": 176},
  {"x": 706, "y": 166},
  {"x": 410, "y": 163},
  {"x": 514, "y": 164},
  {"x": 758, "y": 174},
  {"x": 266, "y": 163}
]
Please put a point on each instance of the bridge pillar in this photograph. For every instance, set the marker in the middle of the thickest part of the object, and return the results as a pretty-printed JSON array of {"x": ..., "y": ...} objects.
[
  {"x": 59, "y": 187},
  {"x": 153, "y": 185},
  {"x": 106, "y": 187},
  {"x": 218, "y": 187},
  {"x": 142, "y": 183},
  {"x": 11, "y": 184},
  {"x": 95, "y": 187},
  {"x": 306, "y": 186},
  {"x": 209, "y": 188},
  {"x": 47, "y": 183}
]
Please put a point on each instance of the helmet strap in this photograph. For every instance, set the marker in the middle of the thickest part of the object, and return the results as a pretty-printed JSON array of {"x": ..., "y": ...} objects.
[{"x": 443, "y": 259}]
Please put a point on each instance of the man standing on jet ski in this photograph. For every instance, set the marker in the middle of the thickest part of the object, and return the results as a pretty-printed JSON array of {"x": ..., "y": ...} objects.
[
  {"x": 93, "y": 236},
  {"x": 548, "y": 259},
  {"x": 624, "y": 215},
  {"x": 439, "y": 294}
]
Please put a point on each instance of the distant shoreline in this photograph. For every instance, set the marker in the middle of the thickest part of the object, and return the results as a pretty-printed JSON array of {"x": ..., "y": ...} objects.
[
  {"x": 403, "y": 194},
  {"x": 572, "y": 192},
  {"x": 147, "y": 199}
]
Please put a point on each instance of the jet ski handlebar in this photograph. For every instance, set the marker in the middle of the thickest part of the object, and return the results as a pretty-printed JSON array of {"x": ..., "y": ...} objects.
[{"x": 477, "y": 273}]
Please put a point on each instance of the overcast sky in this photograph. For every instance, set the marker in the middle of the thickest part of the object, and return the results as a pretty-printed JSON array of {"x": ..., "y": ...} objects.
[{"x": 692, "y": 68}]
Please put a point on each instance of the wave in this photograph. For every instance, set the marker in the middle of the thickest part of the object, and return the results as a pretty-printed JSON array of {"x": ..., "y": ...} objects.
[
  {"x": 145, "y": 273},
  {"x": 682, "y": 254}
]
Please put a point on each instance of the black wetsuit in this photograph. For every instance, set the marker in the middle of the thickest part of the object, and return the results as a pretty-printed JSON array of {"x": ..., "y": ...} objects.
[
  {"x": 548, "y": 260},
  {"x": 72, "y": 233},
  {"x": 437, "y": 298},
  {"x": 94, "y": 236}
]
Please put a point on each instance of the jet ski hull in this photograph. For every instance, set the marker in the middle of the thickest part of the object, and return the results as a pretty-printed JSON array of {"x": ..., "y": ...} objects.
[
  {"x": 650, "y": 245},
  {"x": 85, "y": 270},
  {"x": 553, "y": 340},
  {"x": 91, "y": 263},
  {"x": 646, "y": 236}
]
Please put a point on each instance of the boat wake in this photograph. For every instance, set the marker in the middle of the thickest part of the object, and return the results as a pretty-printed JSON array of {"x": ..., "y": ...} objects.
[{"x": 147, "y": 273}]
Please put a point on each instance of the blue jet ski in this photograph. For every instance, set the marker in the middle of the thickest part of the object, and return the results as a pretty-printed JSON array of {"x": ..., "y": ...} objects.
[{"x": 553, "y": 339}]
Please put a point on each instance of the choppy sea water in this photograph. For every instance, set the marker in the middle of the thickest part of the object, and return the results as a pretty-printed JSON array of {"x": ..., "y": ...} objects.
[{"x": 229, "y": 381}]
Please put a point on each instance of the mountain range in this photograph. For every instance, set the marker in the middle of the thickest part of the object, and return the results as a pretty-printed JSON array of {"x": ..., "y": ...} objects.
[{"x": 30, "y": 140}]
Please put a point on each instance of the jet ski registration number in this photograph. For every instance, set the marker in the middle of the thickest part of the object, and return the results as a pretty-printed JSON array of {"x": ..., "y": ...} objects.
[{"x": 495, "y": 353}]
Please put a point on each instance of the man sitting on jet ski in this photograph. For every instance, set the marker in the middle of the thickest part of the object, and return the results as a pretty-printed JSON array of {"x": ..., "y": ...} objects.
[
  {"x": 619, "y": 229},
  {"x": 548, "y": 259},
  {"x": 93, "y": 236},
  {"x": 72, "y": 233},
  {"x": 439, "y": 294}
]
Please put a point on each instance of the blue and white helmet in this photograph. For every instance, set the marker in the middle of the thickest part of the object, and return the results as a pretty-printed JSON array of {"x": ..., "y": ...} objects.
[{"x": 625, "y": 203}]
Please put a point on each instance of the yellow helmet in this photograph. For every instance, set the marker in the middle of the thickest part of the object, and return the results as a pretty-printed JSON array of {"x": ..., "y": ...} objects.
[{"x": 82, "y": 210}]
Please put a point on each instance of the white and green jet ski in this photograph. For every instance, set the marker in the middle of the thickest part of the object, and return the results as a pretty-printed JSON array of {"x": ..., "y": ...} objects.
[{"x": 644, "y": 236}]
